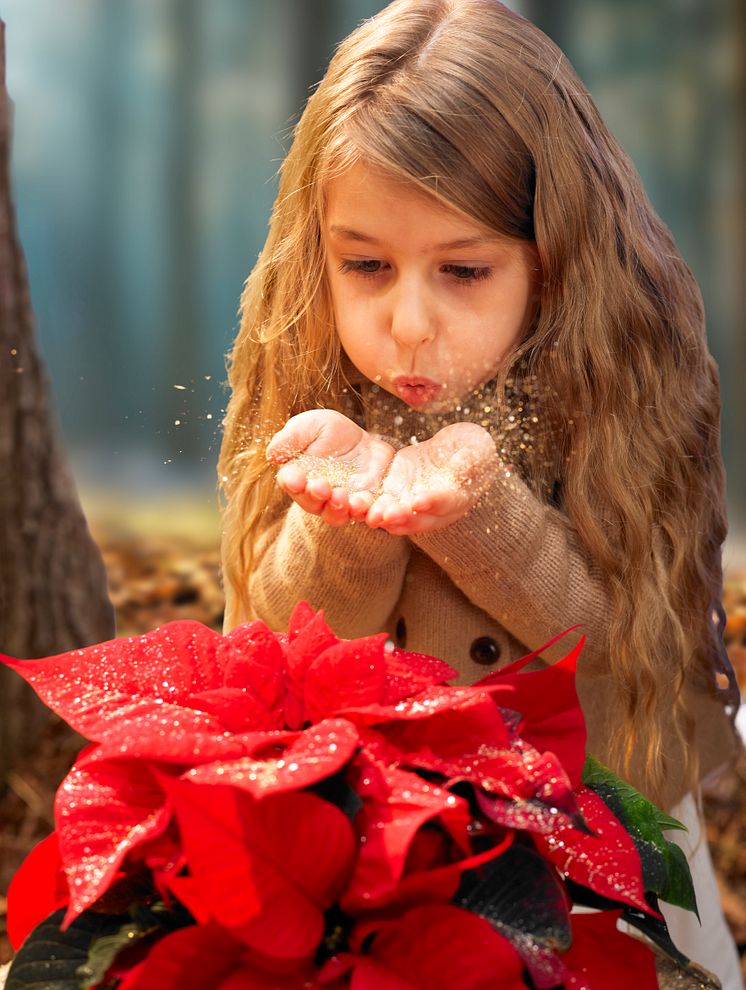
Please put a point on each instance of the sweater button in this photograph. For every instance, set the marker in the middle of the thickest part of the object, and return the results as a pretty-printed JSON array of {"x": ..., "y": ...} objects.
[
  {"x": 485, "y": 650},
  {"x": 400, "y": 632}
]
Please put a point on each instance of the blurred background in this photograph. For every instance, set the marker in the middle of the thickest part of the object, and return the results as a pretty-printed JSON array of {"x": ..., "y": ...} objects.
[{"x": 147, "y": 137}]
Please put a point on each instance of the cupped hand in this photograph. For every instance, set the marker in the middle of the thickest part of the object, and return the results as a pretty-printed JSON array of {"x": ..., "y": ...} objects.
[
  {"x": 329, "y": 465},
  {"x": 431, "y": 484}
]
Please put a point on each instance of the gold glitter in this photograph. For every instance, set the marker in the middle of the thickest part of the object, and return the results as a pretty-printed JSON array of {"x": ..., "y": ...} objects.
[
  {"x": 338, "y": 473},
  {"x": 524, "y": 438}
]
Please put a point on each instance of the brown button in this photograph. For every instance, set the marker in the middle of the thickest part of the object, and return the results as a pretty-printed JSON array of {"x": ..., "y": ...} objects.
[
  {"x": 401, "y": 633},
  {"x": 485, "y": 650}
]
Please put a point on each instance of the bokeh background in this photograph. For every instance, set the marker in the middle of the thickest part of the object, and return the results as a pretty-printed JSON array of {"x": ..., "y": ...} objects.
[{"x": 147, "y": 138}]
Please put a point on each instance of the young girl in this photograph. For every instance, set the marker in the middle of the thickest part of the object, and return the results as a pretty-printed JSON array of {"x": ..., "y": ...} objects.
[{"x": 480, "y": 363}]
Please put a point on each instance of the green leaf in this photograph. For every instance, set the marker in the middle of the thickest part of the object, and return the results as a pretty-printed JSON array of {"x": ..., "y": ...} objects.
[
  {"x": 49, "y": 958},
  {"x": 144, "y": 924},
  {"x": 103, "y": 951},
  {"x": 656, "y": 930},
  {"x": 665, "y": 870},
  {"x": 521, "y": 896}
]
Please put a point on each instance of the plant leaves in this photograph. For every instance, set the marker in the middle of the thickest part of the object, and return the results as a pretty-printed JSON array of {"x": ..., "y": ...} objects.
[
  {"x": 104, "y": 950},
  {"x": 522, "y": 898},
  {"x": 607, "y": 860},
  {"x": 49, "y": 959},
  {"x": 656, "y": 930},
  {"x": 654, "y": 927},
  {"x": 665, "y": 870},
  {"x": 131, "y": 941}
]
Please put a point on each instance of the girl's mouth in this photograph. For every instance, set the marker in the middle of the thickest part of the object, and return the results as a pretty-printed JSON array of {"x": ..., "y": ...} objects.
[{"x": 415, "y": 390}]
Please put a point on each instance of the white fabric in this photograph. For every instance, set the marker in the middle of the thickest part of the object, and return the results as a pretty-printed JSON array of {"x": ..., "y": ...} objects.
[{"x": 711, "y": 943}]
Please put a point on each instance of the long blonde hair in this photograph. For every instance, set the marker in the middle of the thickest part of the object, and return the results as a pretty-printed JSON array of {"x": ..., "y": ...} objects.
[{"x": 474, "y": 104}]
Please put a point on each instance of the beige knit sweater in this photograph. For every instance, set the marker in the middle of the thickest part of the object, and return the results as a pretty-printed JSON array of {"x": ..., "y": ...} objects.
[{"x": 479, "y": 593}]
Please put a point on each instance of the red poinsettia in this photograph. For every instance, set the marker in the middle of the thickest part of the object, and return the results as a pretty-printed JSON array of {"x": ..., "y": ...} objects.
[
  {"x": 440, "y": 947},
  {"x": 330, "y": 813}
]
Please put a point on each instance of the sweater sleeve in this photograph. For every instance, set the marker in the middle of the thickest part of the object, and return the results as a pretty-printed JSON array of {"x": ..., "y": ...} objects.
[
  {"x": 354, "y": 573},
  {"x": 521, "y": 561}
]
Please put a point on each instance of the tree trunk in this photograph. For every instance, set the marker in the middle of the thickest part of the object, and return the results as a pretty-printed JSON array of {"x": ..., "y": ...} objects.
[{"x": 53, "y": 594}]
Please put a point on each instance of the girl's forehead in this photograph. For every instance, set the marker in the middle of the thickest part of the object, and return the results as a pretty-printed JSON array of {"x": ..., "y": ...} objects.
[{"x": 367, "y": 196}]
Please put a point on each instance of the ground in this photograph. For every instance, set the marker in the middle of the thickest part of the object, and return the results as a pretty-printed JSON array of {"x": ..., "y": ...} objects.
[{"x": 154, "y": 579}]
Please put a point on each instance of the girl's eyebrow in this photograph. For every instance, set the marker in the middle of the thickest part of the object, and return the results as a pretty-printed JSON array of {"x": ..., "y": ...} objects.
[{"x": 355, "y": 235}]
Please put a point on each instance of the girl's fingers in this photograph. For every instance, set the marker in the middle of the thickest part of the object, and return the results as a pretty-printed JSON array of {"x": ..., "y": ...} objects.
[
  {"x": 286, "y": 444},
  {"x": 292, "y": 479},
  {"x": 319, "y": 488},
  {"x": 301, "y": 432},
  {"x": 360, "y": 503},
  {"x": 339, "y": 499},
  {"x": 424, "y": 501},
  {"x": 388, "y": 510},
  {"x": 334, "y": 516},
  {"x": 309, "y": 503}
]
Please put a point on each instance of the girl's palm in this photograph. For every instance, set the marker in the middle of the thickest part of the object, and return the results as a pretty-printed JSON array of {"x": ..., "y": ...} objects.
[
  {"x": 330, "y": 465},
  {"x": 432, "y": 484}
]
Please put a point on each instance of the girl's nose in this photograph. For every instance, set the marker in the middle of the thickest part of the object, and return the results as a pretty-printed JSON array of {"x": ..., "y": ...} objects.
[{"x": 412, "y": 316}]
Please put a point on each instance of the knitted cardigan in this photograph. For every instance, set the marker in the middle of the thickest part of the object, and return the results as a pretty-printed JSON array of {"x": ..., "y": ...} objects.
[{"x": 485, "y": 590}]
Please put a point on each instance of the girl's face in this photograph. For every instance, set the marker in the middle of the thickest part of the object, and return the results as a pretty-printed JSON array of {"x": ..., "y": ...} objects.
[{"x": 427, "y": 303}]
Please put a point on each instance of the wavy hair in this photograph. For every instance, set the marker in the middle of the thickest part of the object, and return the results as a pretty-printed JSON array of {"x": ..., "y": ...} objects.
[{"x": 478, "y": 107}]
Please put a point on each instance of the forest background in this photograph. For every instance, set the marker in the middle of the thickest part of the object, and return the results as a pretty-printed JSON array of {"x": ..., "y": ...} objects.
[{"x": 147, "y": 135}]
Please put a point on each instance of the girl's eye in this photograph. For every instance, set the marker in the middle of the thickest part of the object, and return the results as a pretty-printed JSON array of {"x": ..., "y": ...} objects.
[
  {"x": 367, "y": 267},
  {"x": 467, "y": 273}
]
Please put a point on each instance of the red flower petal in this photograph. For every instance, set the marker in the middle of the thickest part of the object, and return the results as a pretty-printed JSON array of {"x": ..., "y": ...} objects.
[
  {"x": 259, "y": 873},
  {"x": 187, "y": 893},
  {"x": 103, "y": 812},
  {"x": 191, "y": 958},
  {"x": 606, "y": 862},
  {"x": 424, "y": 705},
  {"x": 349, "y": 674},
  {"x": 237, "y": 709},
  {"x": 450, "y": 738},
  {"x": 552, "y": 719},
  {"x": 180, "y": 735},
  {"x": 438, "y": 883},
  {"x": 205, "y": 957},
  {"x": 37, "y": 889},
  {"x": 308, "y": 638},
  {"x": 311, "y": 756},
  {"x": 369, "y": 974},
  {"x": 396, "y": 804},
  {"x": 304, "y": 615},
  {"x": 89, "y": 688},
  {"x": 256, "y": 660},
  {"x": 442, "y": 947},
  {"x": 410, "y": 673},
  {"x": 604, "y": 958}
]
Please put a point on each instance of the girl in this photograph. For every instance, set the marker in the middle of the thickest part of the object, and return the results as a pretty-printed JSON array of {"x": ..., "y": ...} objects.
[{"x": 480, "y": 362}]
